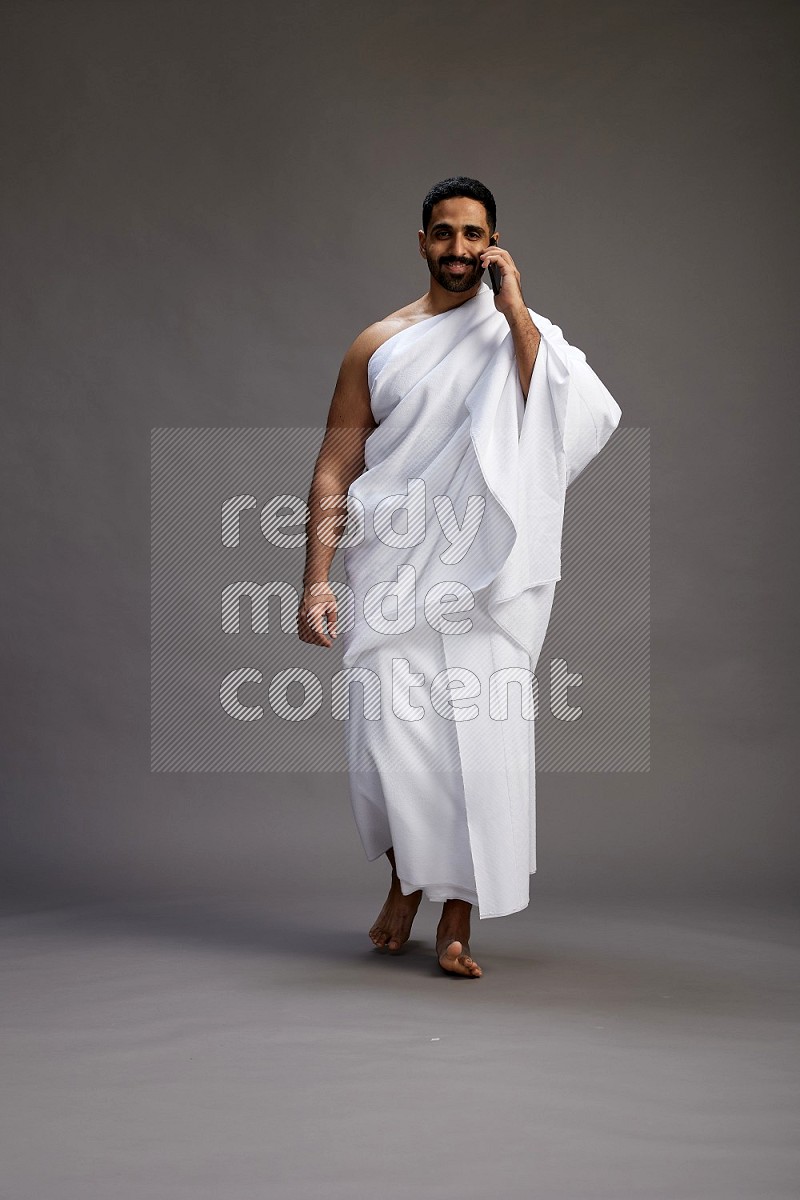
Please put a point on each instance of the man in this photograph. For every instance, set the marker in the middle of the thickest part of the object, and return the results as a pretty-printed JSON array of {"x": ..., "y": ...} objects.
[{"x": 467, "y": 414}]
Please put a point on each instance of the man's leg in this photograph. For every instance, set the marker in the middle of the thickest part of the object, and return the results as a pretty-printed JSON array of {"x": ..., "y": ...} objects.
[
  {"x": 452, "y": 940},
  {"x": 394, "y": 921}
]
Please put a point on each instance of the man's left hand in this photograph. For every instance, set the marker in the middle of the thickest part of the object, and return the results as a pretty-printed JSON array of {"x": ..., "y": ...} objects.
[{"x": 509, "y": 299}]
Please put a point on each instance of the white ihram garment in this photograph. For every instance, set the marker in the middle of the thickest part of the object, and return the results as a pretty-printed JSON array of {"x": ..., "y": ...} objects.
[{"x": 440, "y": 770}]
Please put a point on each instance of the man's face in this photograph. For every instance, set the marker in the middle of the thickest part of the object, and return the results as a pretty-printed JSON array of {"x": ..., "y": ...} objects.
[{"x": 457, "y": 232}]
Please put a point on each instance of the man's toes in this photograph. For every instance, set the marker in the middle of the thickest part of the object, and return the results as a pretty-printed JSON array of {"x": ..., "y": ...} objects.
[
  {"x": 459, "y": 963},
  {"x": 449, "y": 957},
  {"x": 470, "y": 967}
]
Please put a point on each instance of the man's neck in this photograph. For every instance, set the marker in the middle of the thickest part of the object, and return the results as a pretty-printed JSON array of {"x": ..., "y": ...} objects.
[{"x": 438, "y": 300}]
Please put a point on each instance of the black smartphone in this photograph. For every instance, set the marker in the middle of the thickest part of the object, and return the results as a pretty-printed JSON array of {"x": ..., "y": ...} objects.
[{"x": 495, "y": 275}]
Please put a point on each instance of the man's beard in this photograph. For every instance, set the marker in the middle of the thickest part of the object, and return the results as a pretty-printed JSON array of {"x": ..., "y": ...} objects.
[{"x": 454, "y": 282}]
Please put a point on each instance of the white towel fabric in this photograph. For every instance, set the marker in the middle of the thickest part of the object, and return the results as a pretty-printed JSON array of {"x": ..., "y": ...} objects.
[{"x": 438, "y": 767}]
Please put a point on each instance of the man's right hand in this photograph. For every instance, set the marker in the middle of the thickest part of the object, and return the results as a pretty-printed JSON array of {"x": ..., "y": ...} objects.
[{"x": 318, "y": 603}]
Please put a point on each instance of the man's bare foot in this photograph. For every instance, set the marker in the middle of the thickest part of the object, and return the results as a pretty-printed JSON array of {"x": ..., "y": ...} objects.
[
  {"x": 455, "y": 958},
  {"x": 452, "y": 940},
  {"x": 394, "y": 921}
]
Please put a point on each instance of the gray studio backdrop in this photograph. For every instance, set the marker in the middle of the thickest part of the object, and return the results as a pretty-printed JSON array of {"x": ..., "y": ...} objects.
[{"x": 203, "y": 203}]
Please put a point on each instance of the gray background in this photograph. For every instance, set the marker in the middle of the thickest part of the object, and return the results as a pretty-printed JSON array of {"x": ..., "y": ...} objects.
[{"x": 204, "y": 203}]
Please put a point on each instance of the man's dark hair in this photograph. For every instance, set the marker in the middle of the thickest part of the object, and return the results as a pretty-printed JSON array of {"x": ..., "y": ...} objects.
[{"x": 459, "y": 185}]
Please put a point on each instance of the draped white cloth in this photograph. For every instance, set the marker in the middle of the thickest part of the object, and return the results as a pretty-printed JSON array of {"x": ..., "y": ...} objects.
[{"x": 452, "y": 553}]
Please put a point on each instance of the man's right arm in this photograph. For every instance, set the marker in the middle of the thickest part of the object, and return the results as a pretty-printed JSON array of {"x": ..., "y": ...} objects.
[{"x": 339, "y": 462}]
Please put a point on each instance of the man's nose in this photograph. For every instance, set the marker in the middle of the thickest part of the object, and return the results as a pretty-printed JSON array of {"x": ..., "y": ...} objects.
[{"x": 460, "y": 247}]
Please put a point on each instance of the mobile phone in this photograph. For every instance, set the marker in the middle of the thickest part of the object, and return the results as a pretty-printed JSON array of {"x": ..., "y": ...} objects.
[{"x": 495, "y": 274}]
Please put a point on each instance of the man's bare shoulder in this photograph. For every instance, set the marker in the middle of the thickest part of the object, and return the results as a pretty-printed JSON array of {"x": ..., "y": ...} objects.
[{"x": 379, "y": 332}]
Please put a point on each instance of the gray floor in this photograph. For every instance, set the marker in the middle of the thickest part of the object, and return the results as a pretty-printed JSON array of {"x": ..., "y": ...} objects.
[{"x": 211, "y": 1047}]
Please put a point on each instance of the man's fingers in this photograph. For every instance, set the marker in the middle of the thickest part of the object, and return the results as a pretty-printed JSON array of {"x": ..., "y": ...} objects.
[
  {"x": 330, "y": 610},
  {"x": 305, "y": 626},
  {"x": 497, "y": 254},
  {"x": 314, "y": 621},
  {"x": 317, "y": 603}
]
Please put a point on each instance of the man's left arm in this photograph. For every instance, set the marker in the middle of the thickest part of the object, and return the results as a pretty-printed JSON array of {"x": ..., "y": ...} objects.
[
  {"x": 526, "y": 339},
  {"x": 509, "y": 301}
]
